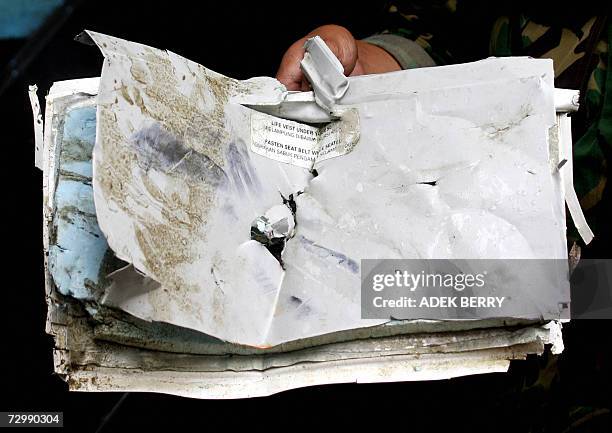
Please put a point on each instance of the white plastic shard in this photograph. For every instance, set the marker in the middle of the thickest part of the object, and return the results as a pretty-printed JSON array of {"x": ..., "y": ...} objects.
[
  {"x": 38, "y": 126},
  {"x": 447, "y": 162},
  {"x": 565, "y": 166},
  {"x": 325, "y": 73}
]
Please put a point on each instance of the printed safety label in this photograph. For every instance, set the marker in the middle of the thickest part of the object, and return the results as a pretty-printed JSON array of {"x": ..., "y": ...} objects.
[{"x": 297, "y": 143}]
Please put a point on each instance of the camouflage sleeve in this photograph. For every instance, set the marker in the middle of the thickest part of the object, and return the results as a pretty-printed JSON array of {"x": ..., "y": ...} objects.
[
  {"x": 408, "y": 53},
  {"x": 409, "y": 32}
]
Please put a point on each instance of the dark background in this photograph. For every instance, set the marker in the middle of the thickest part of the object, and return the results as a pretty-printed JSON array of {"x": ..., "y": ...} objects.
[{"x": 242, "y": 40}]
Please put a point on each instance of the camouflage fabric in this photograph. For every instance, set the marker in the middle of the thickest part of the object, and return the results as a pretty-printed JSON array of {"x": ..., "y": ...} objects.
[
  {"x": 577, "y": 42},
  {"x": 426, "y": 23}
]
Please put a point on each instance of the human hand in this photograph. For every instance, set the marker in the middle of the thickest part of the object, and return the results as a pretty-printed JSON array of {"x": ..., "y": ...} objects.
[{"x": 357, "y": 57}]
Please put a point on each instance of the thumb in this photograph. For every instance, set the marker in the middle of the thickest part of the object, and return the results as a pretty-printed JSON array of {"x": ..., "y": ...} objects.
[
  {"x": 344, "y": 52},
  {"x": 289, "y": 72}
]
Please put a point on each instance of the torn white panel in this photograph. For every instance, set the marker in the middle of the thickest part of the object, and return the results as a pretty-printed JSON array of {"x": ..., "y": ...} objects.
[
  {"x": 449, "y": 164},
  {"x": 38, "y": 126},
  {"x": 566, "y": 167},
  {"x": 197, "y": 188},
  {"x": 156, "y": 357}
]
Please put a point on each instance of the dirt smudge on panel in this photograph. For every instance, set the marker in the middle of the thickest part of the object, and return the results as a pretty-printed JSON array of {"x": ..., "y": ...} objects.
[
  {"x": 117, "y": 162},
  {"x": 186, "y": 140},
  {"x": 126, "y": 95},
  {"x": 138, "y": 71},
  {"x": 198, "y": 118},
  {"x": 157, "y": 244}
]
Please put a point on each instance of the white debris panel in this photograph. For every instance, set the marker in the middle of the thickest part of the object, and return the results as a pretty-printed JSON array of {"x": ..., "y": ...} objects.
[
  {"x": 448, "y": 162},
  {"x": 230, "y": 218}
]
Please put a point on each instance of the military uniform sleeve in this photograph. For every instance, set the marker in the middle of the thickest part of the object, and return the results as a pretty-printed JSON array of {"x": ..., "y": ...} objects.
[{"x": 407, "y": 52}]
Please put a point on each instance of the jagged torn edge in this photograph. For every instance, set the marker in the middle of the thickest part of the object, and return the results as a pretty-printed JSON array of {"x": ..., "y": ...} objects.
[{"x": 324, "y": 72}]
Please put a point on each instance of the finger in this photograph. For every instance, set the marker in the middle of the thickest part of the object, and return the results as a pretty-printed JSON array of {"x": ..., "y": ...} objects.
[
  {"x": 333, "y": 46},
  {"x": 289, "y": 72},
  {"x": 305, "y": 85},
  {"x": 344, "y": 52}
]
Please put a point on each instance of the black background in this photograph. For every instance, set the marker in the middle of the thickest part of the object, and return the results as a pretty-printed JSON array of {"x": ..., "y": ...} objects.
[{"x": 244, "y": 40}]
